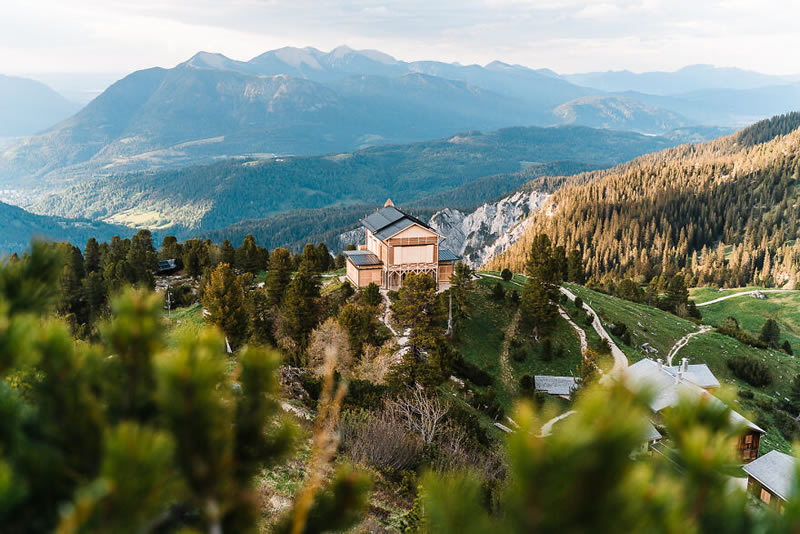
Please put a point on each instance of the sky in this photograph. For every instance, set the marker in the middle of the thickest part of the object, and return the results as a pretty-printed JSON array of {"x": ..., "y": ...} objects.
[{"x": 119, "y": 36}]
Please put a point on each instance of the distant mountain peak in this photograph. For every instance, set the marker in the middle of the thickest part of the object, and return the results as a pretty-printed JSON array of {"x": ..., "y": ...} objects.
[{"x": 209, "y": 60}]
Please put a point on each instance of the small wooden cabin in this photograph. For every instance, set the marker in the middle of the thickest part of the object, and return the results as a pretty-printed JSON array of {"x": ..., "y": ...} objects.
[{"x": 771, "y": 478}]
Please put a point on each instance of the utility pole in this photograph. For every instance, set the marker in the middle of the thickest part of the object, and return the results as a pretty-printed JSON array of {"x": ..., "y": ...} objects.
[{"x": 169, "y": 304}]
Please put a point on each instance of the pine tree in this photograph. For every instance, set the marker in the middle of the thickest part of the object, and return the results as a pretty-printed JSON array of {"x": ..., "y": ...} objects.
[
  {"x": 677, "y": 294},
  {"x": 538, "y": 313},
  {"x": 461, "y": 287},
  {"x": 770, "y": 333},
  {"x": 418, "y": 308},
  {"x": 224, "y": 300},
  {"x": 300, "y": 308},
  {"x": 248, "y": 256},
  {"x": 92, "y": 257},
  {"x": 279, "y": 275},
  {"x": 227, "y": 254}
]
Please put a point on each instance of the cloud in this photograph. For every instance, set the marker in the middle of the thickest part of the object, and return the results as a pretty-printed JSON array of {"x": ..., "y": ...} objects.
[{"x": 565, "y": 35}]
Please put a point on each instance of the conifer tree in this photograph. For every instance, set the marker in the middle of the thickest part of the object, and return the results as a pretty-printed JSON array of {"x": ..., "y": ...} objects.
[
  {"x": 224, "y": 300},
  {"x": 92, "y": 257},
  {"x": 461, "y": 287},
  {"x": 227, "y": 254},
  {"x": 418, "y": 308},
  {"x": 575, "y": 267},
  {"x": 300, "y": 307},
  {"x": 248, "y": 256},
  {"x": 770, "y": 333},
  {"x": 279, "y": 275}
]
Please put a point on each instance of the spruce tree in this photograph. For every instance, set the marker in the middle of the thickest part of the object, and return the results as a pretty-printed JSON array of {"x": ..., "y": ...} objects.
[
  {"x": 770, "y": 333},
  {"x": 224, "y": 299},
  {"x": 461, "y": 287},
  {"x": 227, "y": 254},
  {"x": 575, "y": 267},
  {"x": 300, "y": 308},
  {"x": 418, "y": 308},
  {"x": 279, "y": 275},
  {"x": 248, "y": 256},
  {"x": 92, "y": 257}
]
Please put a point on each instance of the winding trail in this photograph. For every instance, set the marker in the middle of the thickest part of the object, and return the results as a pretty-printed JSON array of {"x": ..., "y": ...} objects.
[
  {"x": 505, "y": 366},
  {"x": 578, "y": 329},
  {"x": 620, "y": 360},
  {"x": 548, "y": 426},
  {"x": 684, "y": 340},
  {"x": 726, "y": 297}
]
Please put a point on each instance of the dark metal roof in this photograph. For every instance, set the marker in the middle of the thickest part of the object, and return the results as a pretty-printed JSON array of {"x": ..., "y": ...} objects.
[
  {"x": 447, "y": 255},
  {"x": 362, "y": 258},
  {"x": 388, "y": 221}
]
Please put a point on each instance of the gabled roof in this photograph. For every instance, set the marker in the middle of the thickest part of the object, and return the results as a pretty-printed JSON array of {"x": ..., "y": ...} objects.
[
  {"x": 362, "y": 258},
  {"x": 388, "y": 221},
  {"x": 776, "y": 471},
  {"x": 446, "y": 255},
  {"x": 698, "y": 374},
  {"x": 554, "y": 385},
  {"x": 667, "y": 391}
]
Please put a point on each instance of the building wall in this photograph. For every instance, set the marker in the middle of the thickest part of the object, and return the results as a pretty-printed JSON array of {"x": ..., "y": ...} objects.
[
  {"x": 445, "y": 272},
  {"x": 414, "y": 231},
  {"x": 367, "y": 276},
  {"x": 352, "y": 273},
  {"x": 748, "y": 446},
  {"x": 414, "y": 254},
  {"x": 763, "y": 494}
]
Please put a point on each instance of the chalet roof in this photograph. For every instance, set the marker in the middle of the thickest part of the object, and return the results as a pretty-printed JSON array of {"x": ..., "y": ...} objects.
[
  {"x": 776, "y": 471},
  {"x": 667, "y": 391},
  {"x": 388, "y": 221},
  {"x": 447, "y": 255},
  {"x": 554, "y": 385},
  {"x": 698, "y": 374},
  {"x": 652, "y": 433},
  {"x": 362, "y": 258}
]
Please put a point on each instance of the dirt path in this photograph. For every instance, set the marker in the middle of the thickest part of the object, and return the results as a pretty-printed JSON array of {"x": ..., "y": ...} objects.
[
  {"x": 505, "y": 365},
  {"x": 578, "y": 329},
  {"x": 620, "y": 360},
  {"x": 726, "y": 297},
  {"x": 548, "y": 426},
  {"x": 684, "y": 340}
]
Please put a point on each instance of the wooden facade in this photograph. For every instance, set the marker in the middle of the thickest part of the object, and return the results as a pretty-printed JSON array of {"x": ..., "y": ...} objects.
[
  {"x": 397, "y": 244},
  {"x": 747, "y": 447}
]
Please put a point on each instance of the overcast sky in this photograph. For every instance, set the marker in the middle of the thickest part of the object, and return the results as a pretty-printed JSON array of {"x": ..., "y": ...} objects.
[{"x": 39, "y": 36}]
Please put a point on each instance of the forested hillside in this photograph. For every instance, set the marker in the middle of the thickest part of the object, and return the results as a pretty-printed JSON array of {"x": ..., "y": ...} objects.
[
  {"x": 202, "y": 198},
  {"x": 725, "y": 212}
]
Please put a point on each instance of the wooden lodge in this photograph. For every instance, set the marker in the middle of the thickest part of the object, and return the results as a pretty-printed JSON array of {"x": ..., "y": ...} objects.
[
  {"x": 771, "y": 478},
  {"x": 397, "y": 244}
]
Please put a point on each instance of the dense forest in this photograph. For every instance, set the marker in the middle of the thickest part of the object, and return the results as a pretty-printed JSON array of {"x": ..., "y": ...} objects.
[
  {"x": 208, "y": 197},
  {"x": 725, "y": 213}
]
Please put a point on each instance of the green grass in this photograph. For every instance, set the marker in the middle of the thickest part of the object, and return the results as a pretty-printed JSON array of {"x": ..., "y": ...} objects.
[
  {"x": 182, "y": 322},
  {"x": 704, "y": 294},
  {"x": 481, "y": 338},
  {"x": 658, "y": 328},
  {"x": 752, "y": 313},
  {"x": 662, "y": 330}
]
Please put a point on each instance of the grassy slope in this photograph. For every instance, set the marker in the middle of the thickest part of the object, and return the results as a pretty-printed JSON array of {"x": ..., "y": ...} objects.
[
  {"x": 752, "y": 313},
  {"x": 184, "y": 322},
  {"x": 482, "y": 334},
  {"x": 704, "y": 294},
  {"x": 662, "y": 330}
]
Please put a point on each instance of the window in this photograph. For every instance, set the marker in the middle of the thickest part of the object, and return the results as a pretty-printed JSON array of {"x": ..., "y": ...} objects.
[
  {"x": 748, "y": 438},
  {"x": 765, "y": 495}
]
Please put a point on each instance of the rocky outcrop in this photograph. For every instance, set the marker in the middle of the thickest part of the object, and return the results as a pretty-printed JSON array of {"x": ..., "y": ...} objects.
[{"x": 490, "y": 229}]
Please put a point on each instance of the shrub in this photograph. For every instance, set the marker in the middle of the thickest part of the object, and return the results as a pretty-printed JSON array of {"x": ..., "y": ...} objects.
[
  {"x": 626, "y": 338},
  {"x": 506, "y": 275},
  {"x": 742, "y": 336},
  {"x": 745, "y": 394},
  {"x": 464, "y": 369},
  {"x": 519, "y": 354},
  {"x": 526, "y": 383},
  {"x": 787, "y": 347},
  {"x": 515, "y": 297},
  {"x": 619, "y": 329},
  {"x": 182, "y": 296},
  {"x": 579, "y": 303},
  {"x": 787, "y": 425},
  {"x": 380, "y": 439},
  {"x": 753, "y": 371},
  {"x": 487, "y": 403},
  {"x": 498, "y": 293}
]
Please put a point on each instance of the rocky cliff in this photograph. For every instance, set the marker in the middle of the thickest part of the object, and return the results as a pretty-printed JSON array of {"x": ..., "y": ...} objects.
[{"x": 490, "y": 229}]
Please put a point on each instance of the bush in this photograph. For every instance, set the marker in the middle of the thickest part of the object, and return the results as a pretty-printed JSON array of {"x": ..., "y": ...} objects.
[
  {"x": 526, "y": 383},
  {"x": 498, "y": 293},
  {"x": 578, "y": 303},
  {"x": 787, "y": 347},
  {"x": 506, "y": 275},
  {"x": 745, "y": 394},
  {"x": 626, "y": 338},
  {"x": 464, "y": 369},
  {"x": 519, "y": 354},
  {"x": 372, "y": 294},
  {"x": 547, "y": 350},
  {"x": 619, "y": 329},
  {"x": 364, "y": 394},
  {"x": 787, "y": 425},
  {"x": 515, "y": 297},
  {"x": 380, "y": 439},
  {"x": 742, "y": 336},
  {"x": 753, "y": 371},
  {"x": 182, "y": 296},
  {"x": 487, "y": 403}
]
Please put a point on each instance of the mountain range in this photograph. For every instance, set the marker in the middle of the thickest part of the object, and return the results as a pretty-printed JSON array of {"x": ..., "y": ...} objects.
[
  {"x": 302, "y": 101},
  {"x": 460, "y": 171},
  {"x": 27, "y": 107}
]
